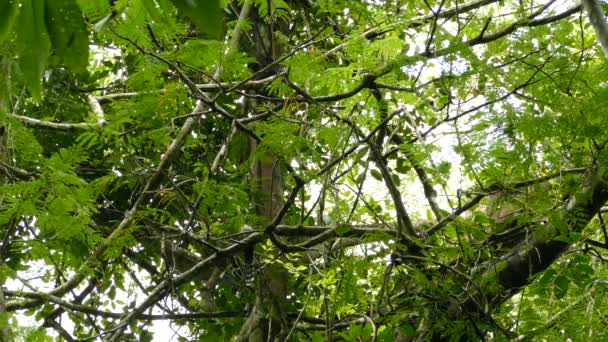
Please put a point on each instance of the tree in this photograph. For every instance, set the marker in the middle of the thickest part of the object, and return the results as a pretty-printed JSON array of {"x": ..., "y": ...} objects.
[{"x": 303, "y": 170}]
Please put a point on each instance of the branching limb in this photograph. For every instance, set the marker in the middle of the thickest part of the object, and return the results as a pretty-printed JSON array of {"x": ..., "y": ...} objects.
[
  {"x": 403, "y": 218},
  {"x": 97, "y": 110},
  {"x": 511, "y": 28},
  {"x": 163, "y": 287},
  {"x": 13, "y": 170}
]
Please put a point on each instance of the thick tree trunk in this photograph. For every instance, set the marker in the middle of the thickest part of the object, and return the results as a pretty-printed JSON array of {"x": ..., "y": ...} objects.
[{"x": 267, "y": 319}]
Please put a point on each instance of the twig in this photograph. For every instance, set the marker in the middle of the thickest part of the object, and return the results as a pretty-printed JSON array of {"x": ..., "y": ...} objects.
[{"x": 21, "y": 173}]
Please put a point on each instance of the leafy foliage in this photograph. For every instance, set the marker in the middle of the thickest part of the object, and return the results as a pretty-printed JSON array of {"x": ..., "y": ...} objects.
[{"x": 302, "y": 170}]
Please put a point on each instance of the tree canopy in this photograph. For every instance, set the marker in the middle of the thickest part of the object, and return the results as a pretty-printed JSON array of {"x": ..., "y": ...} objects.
[{"x": 303, "y": 170}]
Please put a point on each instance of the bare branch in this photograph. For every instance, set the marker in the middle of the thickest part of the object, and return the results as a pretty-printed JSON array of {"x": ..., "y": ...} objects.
[
  {"x": 96, "y": 107},
  {"x": 53, "y": 125},
  {"x": 207, "y": 87}
]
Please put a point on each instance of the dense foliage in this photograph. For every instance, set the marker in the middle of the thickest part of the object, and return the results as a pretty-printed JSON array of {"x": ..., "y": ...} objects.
[{"x": 269, "y": 170}]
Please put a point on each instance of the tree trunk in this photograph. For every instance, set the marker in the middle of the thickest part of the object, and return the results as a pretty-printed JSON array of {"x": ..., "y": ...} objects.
[{"x": 267, "y": 319}]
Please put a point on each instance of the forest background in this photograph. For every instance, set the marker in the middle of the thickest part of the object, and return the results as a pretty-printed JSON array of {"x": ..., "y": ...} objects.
[{"x": 270, "y": 170}]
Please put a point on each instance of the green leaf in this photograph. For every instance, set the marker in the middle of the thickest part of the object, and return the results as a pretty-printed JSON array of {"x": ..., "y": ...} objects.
[
  {"x": 9, "y": 11},
  {"x": 546, "y": 277},
  {"x": 376, "y": 174},
  {"x": 118, "y": 6},
  {"x": 153, "y": 11},
  {"x": 407, "y": 329},
  {"x": 403, "y": 166},
  {"x": 481, "y": 218},
  {"x": 102, "y": 23},
  {"x": 342, "y": 229},
  {"x": 396, "y": 179},
  {"x": 68, "y": 33},
  {"x": 206, "y": 14},
  {"x": 560, "y": 286},
  {"x": 37, "y": 335},
  {"x": 33, "y": 45}
]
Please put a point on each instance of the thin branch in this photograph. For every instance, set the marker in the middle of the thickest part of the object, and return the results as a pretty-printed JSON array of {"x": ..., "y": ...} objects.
[
  {"x": 366, "y": 82},
  {"x": 418, "y": 21},
  {"x": 431, "y": 34},
  {"x": 107, "y": 314},
  {"x": 77, "y": 300},
  {"x": 10, "y": 170},
  {"x": 492, "y": 189},
  {"x": 352, "y": 149},
  {"x": 207, "y": 87},
  {"x": 527, "y": 21},
  {"x": 53, "y": 125},
  {"x": 60, "y": 330},
  {"x": 163, "y": 287}
]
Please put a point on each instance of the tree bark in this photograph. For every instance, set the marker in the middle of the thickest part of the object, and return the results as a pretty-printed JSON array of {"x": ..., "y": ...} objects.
[
  {"x": 598, "y": 21},
  {"x": 267, "y": 319},
  {"x": 497, "y": 281}
]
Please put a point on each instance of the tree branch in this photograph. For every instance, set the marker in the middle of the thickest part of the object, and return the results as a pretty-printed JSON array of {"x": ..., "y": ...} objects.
[
  {"x": 53, "y": 125},
  {"x": 532, "y": 256},
  {"x": 207, "y": 87}
]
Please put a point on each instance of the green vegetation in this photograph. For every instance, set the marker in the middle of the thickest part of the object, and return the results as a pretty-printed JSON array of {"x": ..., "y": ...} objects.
[{"x": 303, "y": 170}]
